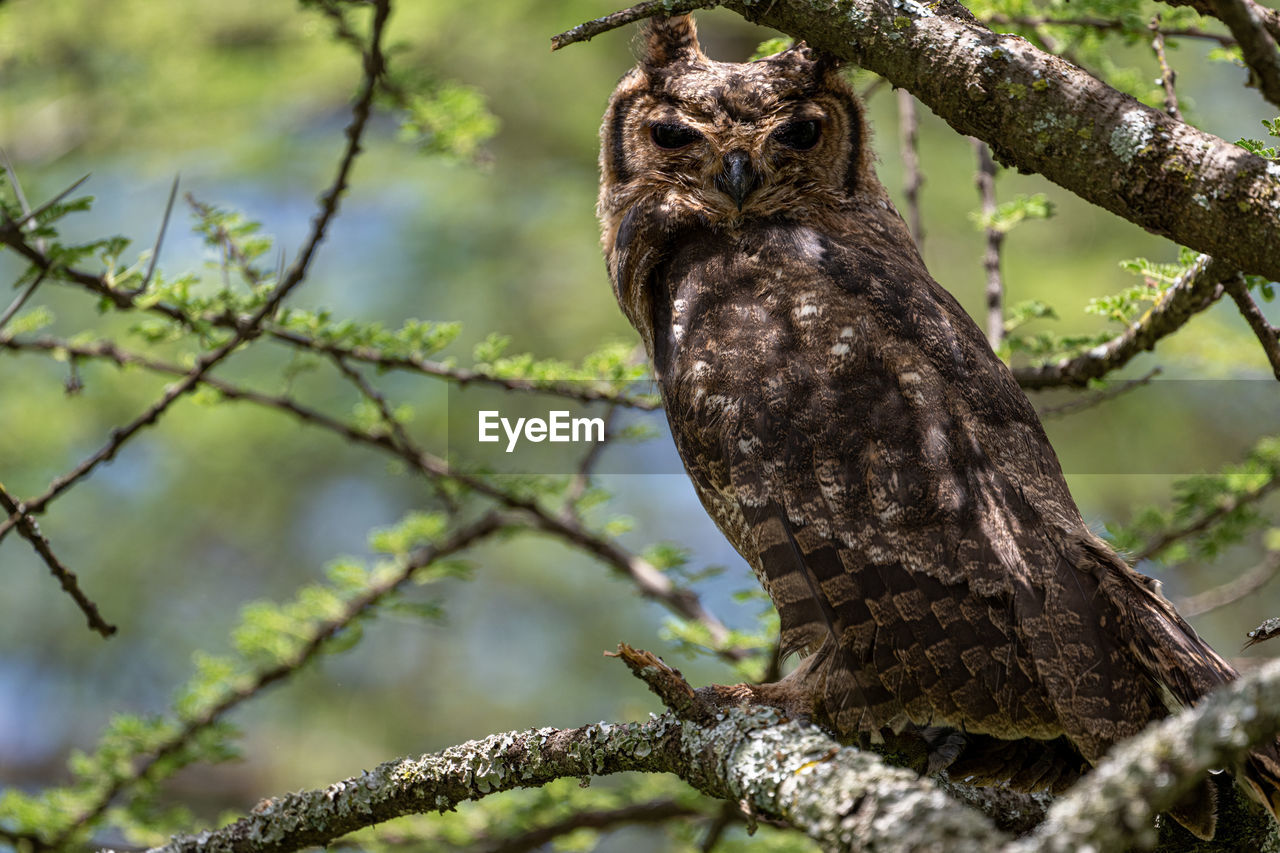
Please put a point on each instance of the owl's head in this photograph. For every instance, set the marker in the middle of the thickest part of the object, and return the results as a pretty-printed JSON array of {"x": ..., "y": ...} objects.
[{"x": 718, "y": 144}]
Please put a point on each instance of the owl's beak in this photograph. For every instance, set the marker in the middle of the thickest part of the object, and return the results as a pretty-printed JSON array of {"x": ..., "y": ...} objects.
[{"x": 738, "y": 178}]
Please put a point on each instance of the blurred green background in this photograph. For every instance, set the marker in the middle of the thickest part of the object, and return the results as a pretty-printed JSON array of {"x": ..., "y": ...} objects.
[{"x": 218, "y": 506}]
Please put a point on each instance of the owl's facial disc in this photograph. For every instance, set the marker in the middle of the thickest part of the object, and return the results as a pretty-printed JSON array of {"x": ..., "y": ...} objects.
[{"x": 738, "y": 153}]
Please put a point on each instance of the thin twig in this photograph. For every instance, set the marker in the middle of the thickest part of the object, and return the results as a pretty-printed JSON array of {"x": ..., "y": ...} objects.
[
  {"x": 233, "y": 253},
  {"x": 30, "y": 531},
  {"x": 1168, "y": 77},
  {"x": 586, "y": 466},
  {"x": 985, "y": 178},
  {"x": 908, "y": 140},
  {"x": 650, "y": 582},
  {"x": 398, "y": 432},
  {"x": 297, "y": 273},
  {"x": 1268, "y": 335},
  {"x": 459, "y": 540},
  {"x": 728, "y": 814},
  {"x": 241, "y": 323},
  {"x": 465, "y": 376},
  {"x": 344, "y": 32},
  {"x": 1270, "y": 18},
  {"x": 1205, "y": 521},
  {"x": 591, "y": 29},
  {"x": 1233, "y": 590},
  {"x": 1103, "y": 24},
  {"x": 868, "y": 91},
  {"x": 654, "y": 811},
  {"x": 1195, "y": 291},
  {"x": 1097, "y": 398}
]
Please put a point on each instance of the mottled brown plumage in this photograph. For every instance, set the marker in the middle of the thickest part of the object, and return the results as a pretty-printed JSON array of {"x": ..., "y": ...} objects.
[{"x": 849, "y": 429}]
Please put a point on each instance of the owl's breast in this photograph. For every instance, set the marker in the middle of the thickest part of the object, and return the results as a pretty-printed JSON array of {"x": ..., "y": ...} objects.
[{"x": 738, "y": 320}]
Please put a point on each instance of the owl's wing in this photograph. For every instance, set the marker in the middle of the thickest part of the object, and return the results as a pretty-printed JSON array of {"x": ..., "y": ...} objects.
[{"x": 896, "y": 492}]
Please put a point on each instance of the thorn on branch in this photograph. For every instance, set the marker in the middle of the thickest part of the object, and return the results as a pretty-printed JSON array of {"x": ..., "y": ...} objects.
[
  {"x": 155, "y": 251},
  {"x": 30, "y": 215}
]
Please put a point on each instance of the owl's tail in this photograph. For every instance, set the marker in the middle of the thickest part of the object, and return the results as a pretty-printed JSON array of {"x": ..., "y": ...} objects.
[{"x": 1181, "y": 662}]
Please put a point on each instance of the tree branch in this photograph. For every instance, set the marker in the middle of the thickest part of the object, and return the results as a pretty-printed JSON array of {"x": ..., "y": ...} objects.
[
  {"x": 1256, "y": 44},
  {"x": 783, "y": 771},
  {"x": 1205, "y": 520},
  {"x": 591, "y": 29},
  {"x": 360, "y": 112},
  {"x": 1041, "y": 114},
  {"x": 458, "y": 540},
  {"x": 1233, "y": 590},
  {"x": 1103, "y": 24},
  {"x": 908, "y": 149},
  {"x": 30, "y": 531},
  {"x": 1096, "y": 398},
  {"x": 1268, "y": 335},
  {"x": 1191, "y": 294},
  {"x": 1168, "y": 77},
  {"x": 1270, "y": 18},
  {"x": 650, "y": 582},
  {"x": 844, "y": 798}
]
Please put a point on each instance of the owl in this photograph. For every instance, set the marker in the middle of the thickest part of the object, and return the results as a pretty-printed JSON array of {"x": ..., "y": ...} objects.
[{"x": 849, "y": 429}]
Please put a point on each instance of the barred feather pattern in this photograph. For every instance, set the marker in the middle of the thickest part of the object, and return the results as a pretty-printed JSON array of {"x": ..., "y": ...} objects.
[{"x": 845, "y": 423}]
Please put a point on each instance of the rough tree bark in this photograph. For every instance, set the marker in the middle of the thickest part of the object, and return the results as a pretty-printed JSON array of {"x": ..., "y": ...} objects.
[{"x": 845, "y": 799}]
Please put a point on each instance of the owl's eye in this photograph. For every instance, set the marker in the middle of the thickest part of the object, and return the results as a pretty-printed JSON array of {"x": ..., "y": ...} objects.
[
  {"x": 673, "y": 135},
  {"x": 800, "y": 135}
]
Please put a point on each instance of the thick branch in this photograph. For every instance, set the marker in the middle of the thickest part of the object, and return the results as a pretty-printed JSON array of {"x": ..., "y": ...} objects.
[
  {"x": 844, "y": 798},
  {"x": 783, "y": 771}
]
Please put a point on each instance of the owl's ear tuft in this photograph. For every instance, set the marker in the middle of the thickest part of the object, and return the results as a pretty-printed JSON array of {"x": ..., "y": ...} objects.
[
  {"x": 668, "y": 40},
  {"x": 805, "y": 64}
]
